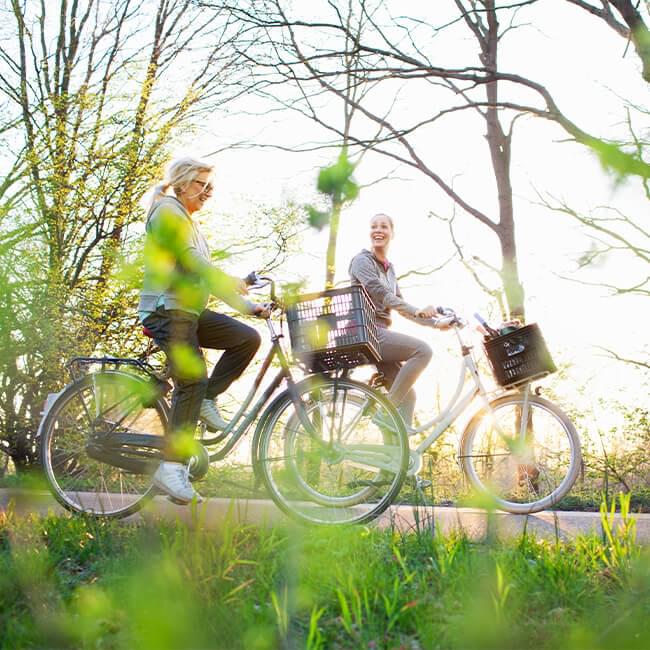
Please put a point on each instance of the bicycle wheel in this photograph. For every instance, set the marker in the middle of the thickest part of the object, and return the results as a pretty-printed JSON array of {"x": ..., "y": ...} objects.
[
  {"x": 343, "y": 461},
  {"x": 101, "y": 441},
  {"x": 526, "y": 457}
]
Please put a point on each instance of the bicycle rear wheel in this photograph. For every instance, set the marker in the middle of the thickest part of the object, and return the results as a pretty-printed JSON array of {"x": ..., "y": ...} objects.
[
  {"x": 100, "y": 443},
  {"x": 343, "y": 461},
  {"x": 523, "y": 453}
]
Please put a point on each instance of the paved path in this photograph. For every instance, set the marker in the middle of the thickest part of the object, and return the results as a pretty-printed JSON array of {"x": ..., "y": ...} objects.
[{"x": 476, "y": 524}]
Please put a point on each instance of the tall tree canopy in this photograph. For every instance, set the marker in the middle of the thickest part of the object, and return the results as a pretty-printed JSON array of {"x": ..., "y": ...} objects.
[{"x": 93, "y": 93}]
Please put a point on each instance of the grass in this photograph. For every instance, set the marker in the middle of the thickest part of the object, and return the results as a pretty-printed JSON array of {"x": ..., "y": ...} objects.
[{"x": 82, "y": 583}]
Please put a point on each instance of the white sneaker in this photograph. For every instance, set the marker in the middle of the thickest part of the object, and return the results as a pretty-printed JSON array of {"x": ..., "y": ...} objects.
[
  {"x": 211, "y": 417},
  {"x": 174, "y": 480}
]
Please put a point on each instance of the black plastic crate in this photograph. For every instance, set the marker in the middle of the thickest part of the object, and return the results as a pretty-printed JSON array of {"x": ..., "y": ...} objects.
[
  {"x": 334, "y": 329},
  {"x": 520, "y": 356}
]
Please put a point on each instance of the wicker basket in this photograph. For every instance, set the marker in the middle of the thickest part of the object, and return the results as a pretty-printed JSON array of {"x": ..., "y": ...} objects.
[
  {"x": 334, "y": 329},
  {"x": 519, "y": 357}
]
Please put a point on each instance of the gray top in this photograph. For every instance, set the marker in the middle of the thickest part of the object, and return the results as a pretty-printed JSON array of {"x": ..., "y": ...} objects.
[
  {"x": 178, "y": 272},
  {"x": 381, "y": 285}
]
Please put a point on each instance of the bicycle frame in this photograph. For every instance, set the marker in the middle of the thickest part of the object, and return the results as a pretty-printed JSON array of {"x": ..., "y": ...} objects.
[
  {"x": 237, "y": 430},
  {"x": 458, "y": 402},
  {"x": 239, "y": 424}
]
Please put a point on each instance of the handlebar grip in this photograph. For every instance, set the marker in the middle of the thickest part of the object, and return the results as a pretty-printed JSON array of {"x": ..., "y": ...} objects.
[{"x": 251, "y": 278}]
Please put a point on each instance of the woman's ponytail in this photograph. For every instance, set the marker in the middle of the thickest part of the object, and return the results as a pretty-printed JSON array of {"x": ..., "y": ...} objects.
[{"x": 155, "y": 194}]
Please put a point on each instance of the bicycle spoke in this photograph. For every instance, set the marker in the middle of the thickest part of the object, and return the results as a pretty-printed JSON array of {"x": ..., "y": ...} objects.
[
  {"x": 343, "y": 473},
  {"x": 85, "y": 471},
  {"x": 533, "y": 466}
]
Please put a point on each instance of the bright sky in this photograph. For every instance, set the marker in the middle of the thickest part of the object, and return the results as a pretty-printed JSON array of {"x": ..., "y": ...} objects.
[{"x": 581, "y": 63}]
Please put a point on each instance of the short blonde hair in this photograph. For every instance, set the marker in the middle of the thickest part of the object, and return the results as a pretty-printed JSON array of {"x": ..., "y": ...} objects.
[{"x": 180, "y": 173}]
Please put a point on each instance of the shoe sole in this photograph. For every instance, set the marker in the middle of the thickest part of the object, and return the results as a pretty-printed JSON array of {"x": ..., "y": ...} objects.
[{"x": 180, "y": 502}]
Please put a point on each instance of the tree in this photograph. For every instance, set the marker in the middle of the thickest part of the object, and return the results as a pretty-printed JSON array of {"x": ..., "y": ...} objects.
[
  {"x": 614, "y": 232},
  {"x": 384, "y": 56},
  {"x": 91, "y": 116},
  {"x": 627, "y": 21}
]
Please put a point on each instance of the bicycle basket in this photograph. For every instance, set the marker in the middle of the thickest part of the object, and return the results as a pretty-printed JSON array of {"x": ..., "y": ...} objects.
[
  {"x": 519, "y": 357},
  {"x": 334, "y": 329}
]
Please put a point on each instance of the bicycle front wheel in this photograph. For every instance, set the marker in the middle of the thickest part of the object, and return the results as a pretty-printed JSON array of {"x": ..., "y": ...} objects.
[
  {"x": 524, "y": 453},
  {"x": 341, "y": 461},
  {"x": 101, "y": 441}
]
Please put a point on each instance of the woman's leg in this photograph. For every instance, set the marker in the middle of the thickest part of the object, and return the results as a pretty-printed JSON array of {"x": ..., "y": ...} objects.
[
  {"x": 414, "y": 356},
  {"x": 390, "y": 370},
  {"x": 175, "y": 332},
  {"x": 239, "y": 342}
]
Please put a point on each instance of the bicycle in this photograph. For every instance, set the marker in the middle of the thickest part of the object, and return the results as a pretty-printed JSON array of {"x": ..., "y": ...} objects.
[
  {"x": 329, "y": 449},
  {"x": 101, "y": 439},
  {"x": 519, "y": 449}
]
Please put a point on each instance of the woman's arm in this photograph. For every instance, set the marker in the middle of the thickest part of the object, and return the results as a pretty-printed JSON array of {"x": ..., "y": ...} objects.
[{"x": 170, "y": 243}]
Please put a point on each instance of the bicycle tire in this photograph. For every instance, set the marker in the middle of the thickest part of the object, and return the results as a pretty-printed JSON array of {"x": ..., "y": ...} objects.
[
  {"x": 526, "y": 475},
  {"x": 86, "y": 410},
  {"x": 351, "y": 453}
]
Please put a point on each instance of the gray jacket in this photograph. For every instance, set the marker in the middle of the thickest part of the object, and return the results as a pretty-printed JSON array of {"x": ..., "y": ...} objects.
[
  {"x": 381, "y": 285},
  {"x": 177, "y": 271}
]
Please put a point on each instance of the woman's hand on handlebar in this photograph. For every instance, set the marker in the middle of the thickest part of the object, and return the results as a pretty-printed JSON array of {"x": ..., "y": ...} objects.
[
  {"x": 443, "y": 318},
  {"x": 427, "y": 312},
  {"x": 263, "y": 310},
  {"x": 445, "y": 322}
]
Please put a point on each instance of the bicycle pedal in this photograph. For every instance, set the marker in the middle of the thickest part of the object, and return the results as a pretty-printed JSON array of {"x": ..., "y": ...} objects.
[{"x": 420, "y": 483}]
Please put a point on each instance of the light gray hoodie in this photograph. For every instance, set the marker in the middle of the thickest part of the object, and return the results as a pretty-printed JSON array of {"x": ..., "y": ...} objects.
[
  {"x": 178, "y": 272},
  {"x": 381, "y": 285}
]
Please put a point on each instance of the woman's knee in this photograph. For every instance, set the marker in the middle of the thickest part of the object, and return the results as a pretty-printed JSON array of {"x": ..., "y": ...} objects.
[
  {"x": 424, "y": 352},
  {"x": 253, "y": 339}
]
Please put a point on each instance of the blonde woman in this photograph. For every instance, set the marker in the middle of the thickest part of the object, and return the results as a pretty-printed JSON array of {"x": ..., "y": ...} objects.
[
  {"x": 179, "y": 277},
  {"x": 403, "y": 357}
]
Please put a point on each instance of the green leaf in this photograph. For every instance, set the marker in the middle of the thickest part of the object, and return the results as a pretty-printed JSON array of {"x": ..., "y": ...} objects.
[
  {"x": 350, "y": 190},
  {"x": 337, "y": 179},
  {"x": 615, "y": 160},
  {"x": 316, "y": 218}
]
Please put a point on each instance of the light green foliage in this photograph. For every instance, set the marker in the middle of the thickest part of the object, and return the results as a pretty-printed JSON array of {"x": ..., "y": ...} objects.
[
  {"x": 87, "y": 584},
  {"x": 337, "y": 184},
  {"x": 186, "y": 358},
  {"x": 317, "y": 219},
  {"x": 91, "y": 107},
  {"x": 621, "y": 549},
  {"x": 336, "y": 180},
  {"x": 615, "y": 160}
]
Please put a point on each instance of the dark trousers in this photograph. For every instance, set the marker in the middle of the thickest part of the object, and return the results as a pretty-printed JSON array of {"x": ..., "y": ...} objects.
[{"x": 182, "y": 335}]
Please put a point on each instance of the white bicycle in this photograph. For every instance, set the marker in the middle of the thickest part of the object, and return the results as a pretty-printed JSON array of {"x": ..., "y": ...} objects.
[{"x": 519, "y": 448}]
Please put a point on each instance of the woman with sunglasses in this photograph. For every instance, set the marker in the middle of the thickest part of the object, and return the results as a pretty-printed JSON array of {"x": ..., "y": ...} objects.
[{"x": 179, "y": 277}]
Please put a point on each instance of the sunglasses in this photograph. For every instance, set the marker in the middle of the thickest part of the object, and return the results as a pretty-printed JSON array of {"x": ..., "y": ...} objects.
[{"x": 206, "y": 188}]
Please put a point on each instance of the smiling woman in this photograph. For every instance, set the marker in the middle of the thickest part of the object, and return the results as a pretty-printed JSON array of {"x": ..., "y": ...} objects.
[
  {"x": 179, "y": 278},
  {"x": 403, "y": 357}
]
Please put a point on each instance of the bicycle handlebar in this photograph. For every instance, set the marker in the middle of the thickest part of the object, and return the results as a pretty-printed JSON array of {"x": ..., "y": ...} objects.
[
  {"x": 255, "y": 281},
  {"x": 448, "y": 319}
]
